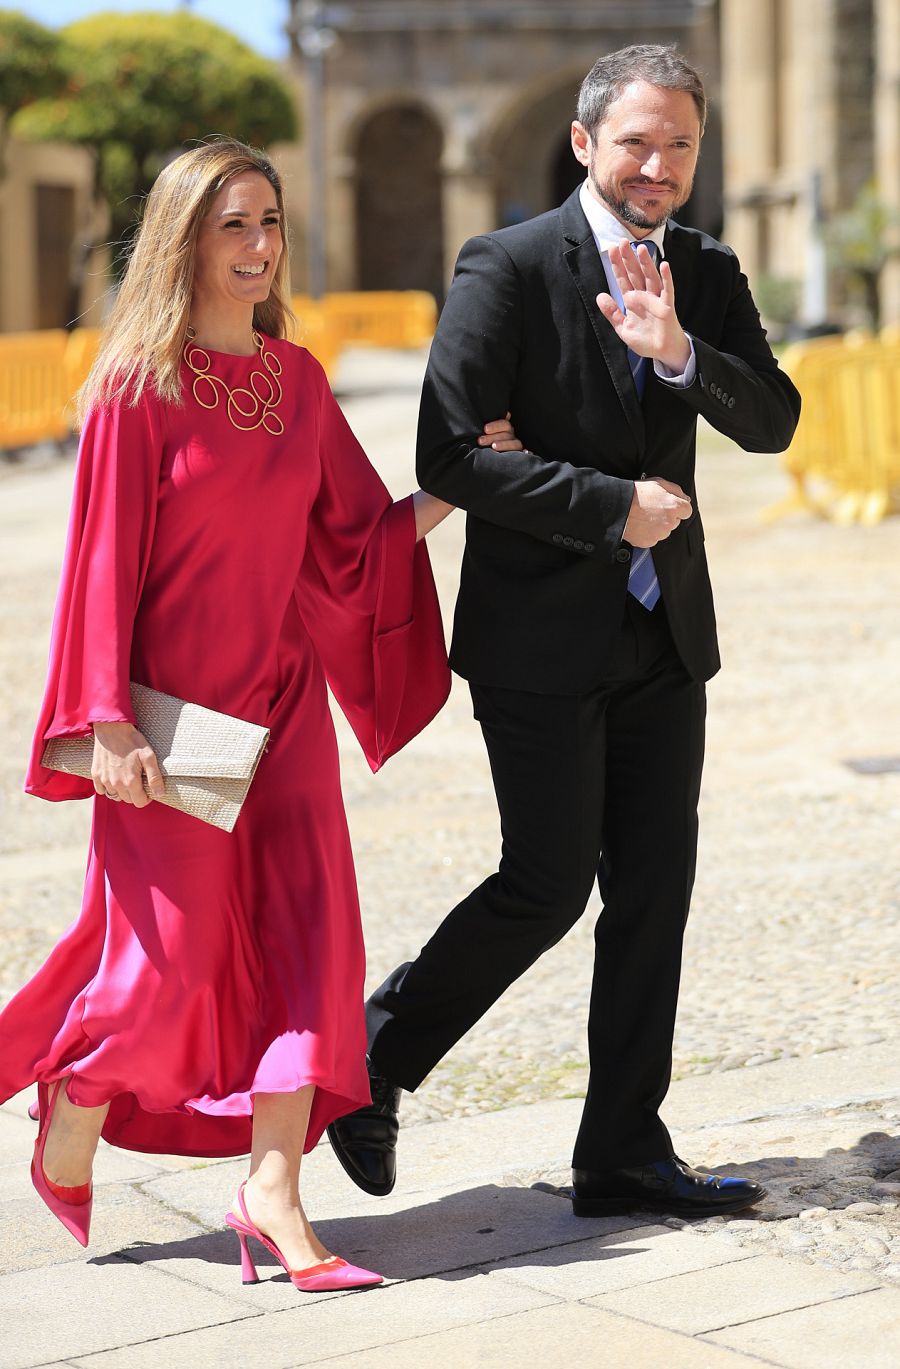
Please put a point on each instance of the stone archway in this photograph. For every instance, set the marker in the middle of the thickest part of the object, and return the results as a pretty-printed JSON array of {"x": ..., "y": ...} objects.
[
  {"x": 527, "y": 150},
  {"x": 399, "y": 212},
  {"x": 566, "y": 171}
]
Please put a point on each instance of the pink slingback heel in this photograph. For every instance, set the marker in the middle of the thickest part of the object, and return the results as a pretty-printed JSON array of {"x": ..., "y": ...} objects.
[
  {"x": 71, "y": 1205},
  {"x": 330, "y": 1275}
]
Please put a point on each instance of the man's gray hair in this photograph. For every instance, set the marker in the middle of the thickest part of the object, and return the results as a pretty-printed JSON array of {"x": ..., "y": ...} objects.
[{"x": 658, "y": 64}]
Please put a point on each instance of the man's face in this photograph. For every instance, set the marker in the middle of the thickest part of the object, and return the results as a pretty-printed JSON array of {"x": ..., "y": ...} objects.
[{"x": 642, "y": 158}]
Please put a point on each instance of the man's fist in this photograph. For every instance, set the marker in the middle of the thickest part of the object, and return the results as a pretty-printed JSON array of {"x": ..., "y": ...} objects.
[{"x": 657, "y": 508}]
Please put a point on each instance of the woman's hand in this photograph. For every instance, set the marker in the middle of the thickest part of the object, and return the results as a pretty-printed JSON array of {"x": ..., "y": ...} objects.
[
  {"x": 500, "y": 435},
  {"x": 122, "y": 757}
]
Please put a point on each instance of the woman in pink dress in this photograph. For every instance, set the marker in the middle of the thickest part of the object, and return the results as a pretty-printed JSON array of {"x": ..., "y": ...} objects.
[{"x": 230, "y": 544}]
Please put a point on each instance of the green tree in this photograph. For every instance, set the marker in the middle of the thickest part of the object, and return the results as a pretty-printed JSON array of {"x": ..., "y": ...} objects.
[
  {"x": 32, "y": 66},
  {"x": 32, "y": 63},
  {"x": 860, "y": 243},
  {"x": 140, "y": 87}
]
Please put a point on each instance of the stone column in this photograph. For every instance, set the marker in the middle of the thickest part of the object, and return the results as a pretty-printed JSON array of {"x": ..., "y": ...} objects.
[
  {"x": 811, "y": 123},
  {"x": 887, "y": 137},
  {"x": 468, "y": 190},
  {"x": 748, "y": 113}
]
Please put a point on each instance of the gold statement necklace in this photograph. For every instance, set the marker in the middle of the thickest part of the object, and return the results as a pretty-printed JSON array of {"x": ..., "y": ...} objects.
[{"x": 248, "y": 407}]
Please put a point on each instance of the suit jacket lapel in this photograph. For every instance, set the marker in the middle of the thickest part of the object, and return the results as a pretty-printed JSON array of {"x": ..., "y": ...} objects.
[{"x": 583, "y": 261}]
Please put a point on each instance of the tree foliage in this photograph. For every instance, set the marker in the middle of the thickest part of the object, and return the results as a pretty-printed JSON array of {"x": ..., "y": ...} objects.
[
  {"x": 32, "y": 62},
  {"x": 141, "y": 86}
]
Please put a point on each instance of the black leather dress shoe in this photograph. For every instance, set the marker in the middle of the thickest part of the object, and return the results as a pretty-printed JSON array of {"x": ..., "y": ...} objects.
[
  {"x": 365, "y": 1141},
  {"x": 664, "y": 1186}
]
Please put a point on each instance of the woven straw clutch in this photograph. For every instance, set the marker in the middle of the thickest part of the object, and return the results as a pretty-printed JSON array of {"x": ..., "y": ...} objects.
[{"x": 208, "y": 758}]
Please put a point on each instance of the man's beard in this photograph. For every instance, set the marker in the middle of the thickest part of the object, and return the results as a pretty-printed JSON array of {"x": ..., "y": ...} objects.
[{"x": 632, "y": 213}]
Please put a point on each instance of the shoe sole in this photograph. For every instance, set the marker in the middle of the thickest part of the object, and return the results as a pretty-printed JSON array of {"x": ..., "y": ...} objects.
[
  {"x": 374, "y": 1191},
  {"x": 618, "y": 1207}
]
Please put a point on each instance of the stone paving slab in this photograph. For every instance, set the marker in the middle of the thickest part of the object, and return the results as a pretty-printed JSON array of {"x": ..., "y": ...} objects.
[
  {"x": 622, "y": 1260},
  {"x": 783, "y": 1087},
  {"x": 317, "y": 1330},
  {"x": 534, "y": 1139},
  {"x": 733, "y": 1293},
  {"x": 406, "y": 1236},
  {"x": 33, "y": 1239},
  {"x": 82, "y": 1307},
  {"x": 863, "y": 1330},
  {"x": 550, "y": 1337}
]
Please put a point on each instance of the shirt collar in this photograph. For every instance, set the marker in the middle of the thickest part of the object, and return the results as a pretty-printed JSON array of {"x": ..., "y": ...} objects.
[{"x": 609, "y": 231}]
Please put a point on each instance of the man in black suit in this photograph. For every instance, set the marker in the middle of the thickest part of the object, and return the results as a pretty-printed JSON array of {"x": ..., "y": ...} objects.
[{"x": 584, "y": 623}]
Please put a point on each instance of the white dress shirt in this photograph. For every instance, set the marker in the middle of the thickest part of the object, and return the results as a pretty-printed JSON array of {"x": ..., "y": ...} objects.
[{"x": 608, "y": 232}]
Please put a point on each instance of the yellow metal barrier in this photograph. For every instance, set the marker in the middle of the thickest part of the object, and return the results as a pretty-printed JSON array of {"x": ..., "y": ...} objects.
[
  {"x": 84, "y": 344},
  {"x": 383, "y": 318},
  {"x": 33, "y": 388},
  {"x": 369, "y": 318},
  {"x": 844, "y": 461},
  {"x": 316, "y": 332}
]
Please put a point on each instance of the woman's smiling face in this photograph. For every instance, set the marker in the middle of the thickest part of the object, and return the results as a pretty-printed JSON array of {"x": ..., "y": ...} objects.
[{"x": 239, "y": 244}]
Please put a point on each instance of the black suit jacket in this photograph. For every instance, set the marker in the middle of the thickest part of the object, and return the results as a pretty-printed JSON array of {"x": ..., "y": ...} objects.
[{"x": 544, "y": 571}]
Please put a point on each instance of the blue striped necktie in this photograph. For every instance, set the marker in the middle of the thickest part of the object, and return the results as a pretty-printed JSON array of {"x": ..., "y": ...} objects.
[{"x": 642, "y": 581}]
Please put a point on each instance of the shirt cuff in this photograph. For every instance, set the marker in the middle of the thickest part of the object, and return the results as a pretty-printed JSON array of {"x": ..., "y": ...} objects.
[{"x": 686, "y": 377}]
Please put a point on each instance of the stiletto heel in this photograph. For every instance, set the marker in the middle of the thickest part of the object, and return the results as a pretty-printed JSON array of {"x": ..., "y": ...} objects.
[
  {"x": 72, "y": 1206},
  {"x": 330, "y": 1275},
  {"x": 248, "y": 1268}
]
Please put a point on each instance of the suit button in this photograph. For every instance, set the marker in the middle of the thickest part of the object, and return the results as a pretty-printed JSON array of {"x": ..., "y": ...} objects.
[
  {"x": 579, "y": 545},
  {"x": 731, "y": 402},
  {"x": 717, "y": 391},
  {"x": 557, "y": 538},
  {"x": 623, "y": 554},
  {"x": 589, "y": 546},
  {"x": 568, "y": 541},
  {"x": 724, "y": 397}
]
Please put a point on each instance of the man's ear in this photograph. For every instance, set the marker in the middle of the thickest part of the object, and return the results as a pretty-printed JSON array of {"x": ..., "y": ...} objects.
[{"x": 581, "y": 143}]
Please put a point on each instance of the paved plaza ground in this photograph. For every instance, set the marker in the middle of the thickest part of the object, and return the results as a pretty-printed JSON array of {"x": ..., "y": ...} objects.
[{"x": 785, "y": 1057}]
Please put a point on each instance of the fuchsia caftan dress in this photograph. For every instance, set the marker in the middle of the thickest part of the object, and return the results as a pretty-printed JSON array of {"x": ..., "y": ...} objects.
[{"x": 240, "y": 570}]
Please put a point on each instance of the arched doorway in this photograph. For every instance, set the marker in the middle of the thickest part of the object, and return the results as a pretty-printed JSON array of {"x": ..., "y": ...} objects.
[
  {"x": 534, "y": 168},
  {"x": 399, "y": 214},
  {"x": 566, "y": 172}
]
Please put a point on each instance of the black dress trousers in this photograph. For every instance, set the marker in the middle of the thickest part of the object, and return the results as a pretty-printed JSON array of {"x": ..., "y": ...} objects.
[{"x": 601, "y": 786}]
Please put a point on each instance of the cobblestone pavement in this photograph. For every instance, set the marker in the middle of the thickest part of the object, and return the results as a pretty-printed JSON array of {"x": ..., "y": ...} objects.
[{"x": 792, "y": 947}]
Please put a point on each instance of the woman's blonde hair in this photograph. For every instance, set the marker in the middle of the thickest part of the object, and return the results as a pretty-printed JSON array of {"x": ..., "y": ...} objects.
[{"x": 146, "y": 330}]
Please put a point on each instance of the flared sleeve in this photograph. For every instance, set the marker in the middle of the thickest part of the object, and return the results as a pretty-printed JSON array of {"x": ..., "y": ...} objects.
[
  {"x": 110, "y": 534},
  {"x": 367, "y": 597}
]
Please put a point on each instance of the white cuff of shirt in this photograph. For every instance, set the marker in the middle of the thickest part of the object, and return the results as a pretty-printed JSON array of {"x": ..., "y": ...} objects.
[{"x": 672, "y": 377}]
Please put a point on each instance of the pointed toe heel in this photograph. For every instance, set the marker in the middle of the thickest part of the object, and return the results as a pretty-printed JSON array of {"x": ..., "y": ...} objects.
[
  {"x": 71, "y": 1206},
  {"x": 329, "y": 1276},
  {"x": 333, "y": 1274}
]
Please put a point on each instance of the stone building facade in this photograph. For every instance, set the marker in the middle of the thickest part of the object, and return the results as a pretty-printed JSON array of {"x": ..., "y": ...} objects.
[
  {"x": 811, "y": 115},
  {"x": 444, "y": 118}
]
